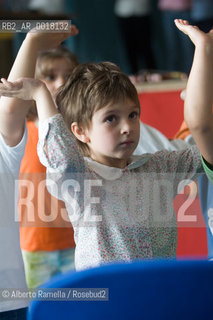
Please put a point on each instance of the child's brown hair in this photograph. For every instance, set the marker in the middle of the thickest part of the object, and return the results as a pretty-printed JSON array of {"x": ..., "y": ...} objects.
[
  {"x": 43, "y": 65},
  {"x": 91, "y": 87}
]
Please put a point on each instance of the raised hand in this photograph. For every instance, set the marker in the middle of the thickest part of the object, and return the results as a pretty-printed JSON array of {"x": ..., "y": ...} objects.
[
  {"x": 199, "y": 91},
  {"x": 49, "y": 40},
  {"x": 194, "y": 33}
]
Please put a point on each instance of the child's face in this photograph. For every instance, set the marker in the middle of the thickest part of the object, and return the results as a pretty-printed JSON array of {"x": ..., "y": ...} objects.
[
  {"x": 114, "y": 133},
  {"x": 57, "y": 74}
]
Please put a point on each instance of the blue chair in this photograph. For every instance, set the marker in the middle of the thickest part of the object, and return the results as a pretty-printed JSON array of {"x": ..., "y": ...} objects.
[{"x": 163, "y": 289}]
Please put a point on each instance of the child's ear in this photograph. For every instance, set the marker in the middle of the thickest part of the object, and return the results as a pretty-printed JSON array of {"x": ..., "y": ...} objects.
[{"x": 79, "y": 132}]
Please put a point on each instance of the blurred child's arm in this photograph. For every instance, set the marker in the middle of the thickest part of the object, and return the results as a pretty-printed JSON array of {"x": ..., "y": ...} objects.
[
  {"x": 13, "y": 111},
  {"x": 199, "y": 92}
]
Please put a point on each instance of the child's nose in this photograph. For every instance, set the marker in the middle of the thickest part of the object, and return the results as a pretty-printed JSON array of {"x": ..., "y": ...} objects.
[{"x": 126, "y": 127}]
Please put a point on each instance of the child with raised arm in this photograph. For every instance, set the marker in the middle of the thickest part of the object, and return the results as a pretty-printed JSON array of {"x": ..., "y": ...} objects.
[
  {"x": 120, "y": 205},
  {"x": 47, "y": 242},
  {"x": 199, "y": 93},
  {"x": 13, "y": 138},
  {"x": 47, "y": 245}
]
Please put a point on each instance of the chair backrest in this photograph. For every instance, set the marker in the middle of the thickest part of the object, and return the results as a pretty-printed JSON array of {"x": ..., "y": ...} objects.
[{"x": 138, "y": 290}]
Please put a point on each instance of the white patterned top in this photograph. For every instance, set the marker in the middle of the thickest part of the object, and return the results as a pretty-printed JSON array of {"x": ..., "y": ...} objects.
[{"x": 117, "y": 214}]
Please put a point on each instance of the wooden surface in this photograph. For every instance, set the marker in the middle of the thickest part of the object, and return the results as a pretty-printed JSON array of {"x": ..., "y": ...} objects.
[{"x": 165, "y": 85}]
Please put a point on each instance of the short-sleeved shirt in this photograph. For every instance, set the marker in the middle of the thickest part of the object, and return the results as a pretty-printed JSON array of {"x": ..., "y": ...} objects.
[
  {"x": 11, "y": 265},
  {"x": 44, "y": 224}
]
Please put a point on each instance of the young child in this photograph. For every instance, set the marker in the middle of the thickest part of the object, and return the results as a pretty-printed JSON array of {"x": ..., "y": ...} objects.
[
  {"x": 47, "y": 244},
  {"x": 13, "y": 137},
  {"x": 120, "y": 206}
]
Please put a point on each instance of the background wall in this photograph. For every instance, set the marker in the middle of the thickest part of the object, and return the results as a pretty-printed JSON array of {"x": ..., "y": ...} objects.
[{"x": 99, "y": 38}]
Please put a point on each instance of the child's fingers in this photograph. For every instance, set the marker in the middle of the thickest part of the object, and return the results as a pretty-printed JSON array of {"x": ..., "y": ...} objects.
[
  {"x": 48, "y": 39},
  {"x": 74, "y": 30},
  {"x": 16, "y": 85},
  {"x": 182, "y": 24},
  {"x": 6, "y": 83},
  {"x": 186, "y": 22},
  {"x": 8, "y": 92},
  {"x": 193, "y": 32},
  {"x": 181, "y": 21}
]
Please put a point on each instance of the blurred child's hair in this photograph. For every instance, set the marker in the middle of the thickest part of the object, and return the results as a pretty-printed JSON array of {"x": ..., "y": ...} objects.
[
  {"x": 45, "y": 59},
  {"x": 44, "y": 64},
  {"x": 91, "y": 87}
]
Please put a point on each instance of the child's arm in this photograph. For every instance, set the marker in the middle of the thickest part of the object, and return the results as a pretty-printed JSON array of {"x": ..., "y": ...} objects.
[
  {"x": 199, "y": 92},
  {"x": 13, "y": 111},
  {"x": 57, "y": 148}
]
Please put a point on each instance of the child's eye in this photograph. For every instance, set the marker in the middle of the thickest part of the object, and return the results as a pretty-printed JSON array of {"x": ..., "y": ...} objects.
[
  {"x": 110, "y": 119},
  {"x": 50, "y": 77},
  {"x": 133, "y": 115}
]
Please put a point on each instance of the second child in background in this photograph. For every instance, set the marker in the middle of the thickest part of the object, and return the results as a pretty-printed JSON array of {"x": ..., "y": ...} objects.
[
  {"x": 47, "y": 243},
  {"x": 46, "y": 234}
]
